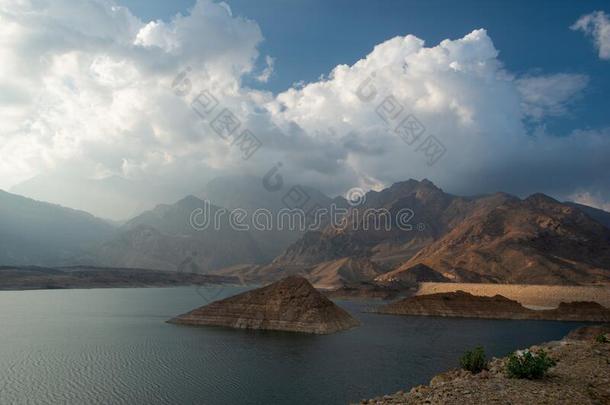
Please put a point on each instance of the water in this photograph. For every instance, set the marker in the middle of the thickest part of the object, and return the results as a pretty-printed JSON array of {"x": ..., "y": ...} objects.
[{"x": 112, "y": 346}]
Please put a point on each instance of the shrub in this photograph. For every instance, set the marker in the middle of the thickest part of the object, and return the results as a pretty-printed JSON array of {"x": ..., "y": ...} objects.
[
  {"x": 474, "y": 360},
  {"x": 601, "y": 338},
  {"x": 528, "y": 365}
]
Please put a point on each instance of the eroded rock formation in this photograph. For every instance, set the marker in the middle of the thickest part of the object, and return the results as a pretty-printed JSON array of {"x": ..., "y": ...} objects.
[
  {"x": 291, "y": 304},
  {"x": 465, "y": 305}
]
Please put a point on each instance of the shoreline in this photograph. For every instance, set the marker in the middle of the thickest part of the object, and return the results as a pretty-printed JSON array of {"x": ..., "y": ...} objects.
[
  {"x": 31, "y": 278},
  {"x": 124, "y": 287},
  {"x": 581, "y": 375}
]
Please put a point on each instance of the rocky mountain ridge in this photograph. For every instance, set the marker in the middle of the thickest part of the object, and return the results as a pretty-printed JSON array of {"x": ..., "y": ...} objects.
[{"x": 495, "y": 238}]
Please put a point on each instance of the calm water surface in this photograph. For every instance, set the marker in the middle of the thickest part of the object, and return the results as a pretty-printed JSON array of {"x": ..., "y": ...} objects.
[{"x": 112, "y": 346}]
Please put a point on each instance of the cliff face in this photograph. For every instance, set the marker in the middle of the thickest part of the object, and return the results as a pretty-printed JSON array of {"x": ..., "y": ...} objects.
[
  {"x": 291, "y": 304},
  {"x": 464, "y": 305}
]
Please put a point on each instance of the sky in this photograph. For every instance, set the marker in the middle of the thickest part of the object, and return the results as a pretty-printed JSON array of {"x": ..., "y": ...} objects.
[
  {"x": 511, "y": 93},
  {"x": 531, "y": 36}
]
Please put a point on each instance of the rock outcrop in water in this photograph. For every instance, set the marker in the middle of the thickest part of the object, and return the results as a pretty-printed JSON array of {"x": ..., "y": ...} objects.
[
  {"x": 463, "y": 304},
  {"x": 291, "y": 304}
]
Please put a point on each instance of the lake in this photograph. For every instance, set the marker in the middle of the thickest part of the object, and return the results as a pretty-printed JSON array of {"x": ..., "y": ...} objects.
[{"x": 112, "y": 346}]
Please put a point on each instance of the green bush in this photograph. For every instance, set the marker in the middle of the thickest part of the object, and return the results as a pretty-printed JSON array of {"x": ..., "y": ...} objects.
[
  {"x": 528, "y": 365},
  {"x": 474, "y": 360},
  {"x": 601, "y": 338}
]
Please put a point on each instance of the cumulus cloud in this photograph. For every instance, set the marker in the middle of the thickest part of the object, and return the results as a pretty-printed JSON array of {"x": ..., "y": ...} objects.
[
  {"x": 463, "y": 96},
  {"x": 597, "y": 26},
  {"x": 89, "y": 85},
  {"x": 91, "y": 89}
]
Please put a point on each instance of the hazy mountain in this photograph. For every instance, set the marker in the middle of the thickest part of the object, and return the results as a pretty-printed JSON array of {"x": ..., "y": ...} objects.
[
  {"x": 249, "y": 193},
  {"x": 39, "y": 233},
  {"x": 164, "y": 239},
  {"x": 112, "y": 197}
]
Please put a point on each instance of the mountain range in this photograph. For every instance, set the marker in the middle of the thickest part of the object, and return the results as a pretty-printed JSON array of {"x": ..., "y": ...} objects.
[
  {"x": 496, "y": 238},
  {"x": 39, "y": 233}
]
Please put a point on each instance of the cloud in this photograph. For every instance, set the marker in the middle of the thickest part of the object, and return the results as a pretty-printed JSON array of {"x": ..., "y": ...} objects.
[
  {"x": 90, "y": 85},
  {"x": 264, "y": 76},
  {"x": 461, "y": 93},
  {"x": 550, "y": 95},
  {"x": 596, "y": 25},
  {"x": 90, "y": 89},
  {"x": 590, "y": 199}
]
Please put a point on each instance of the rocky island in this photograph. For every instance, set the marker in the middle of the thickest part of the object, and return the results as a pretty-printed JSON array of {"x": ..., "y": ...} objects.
[
  {"x": 465, "y": 305},
  {"x": 291, "y": 304}
]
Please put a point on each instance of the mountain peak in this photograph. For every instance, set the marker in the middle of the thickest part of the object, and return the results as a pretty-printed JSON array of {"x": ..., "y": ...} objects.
[
  {"x": 541, "y": 198},
  {"x": 412, "y": 185},
  {"x": 189, "y": 200}
]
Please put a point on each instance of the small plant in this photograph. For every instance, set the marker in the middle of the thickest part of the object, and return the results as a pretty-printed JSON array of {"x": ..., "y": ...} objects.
[
  {"x": 474, "y": 360},
  {"x": 525, "y": 364},
  {"x": 602, "y": 338}
]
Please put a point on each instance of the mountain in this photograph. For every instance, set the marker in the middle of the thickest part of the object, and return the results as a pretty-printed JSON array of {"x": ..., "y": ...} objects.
[
  {"x": 372, "y": 250},
  {"x": 291, "y": 304},
  {"x": 164, "y": 239},
  {"x": 249, "y": 193},
  {"x": 112, "y": 197},
  {"x": 495, "y": 238},
  {"x": 39, "y": 233},
  {"x": 601, "y": 216},
  {"x": 385, "y": 247},
  {"x": 537, "y": 240}
]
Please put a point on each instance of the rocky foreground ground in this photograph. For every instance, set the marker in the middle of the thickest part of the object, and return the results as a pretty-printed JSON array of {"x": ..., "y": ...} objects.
[{"x": 581, "y": 376}]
